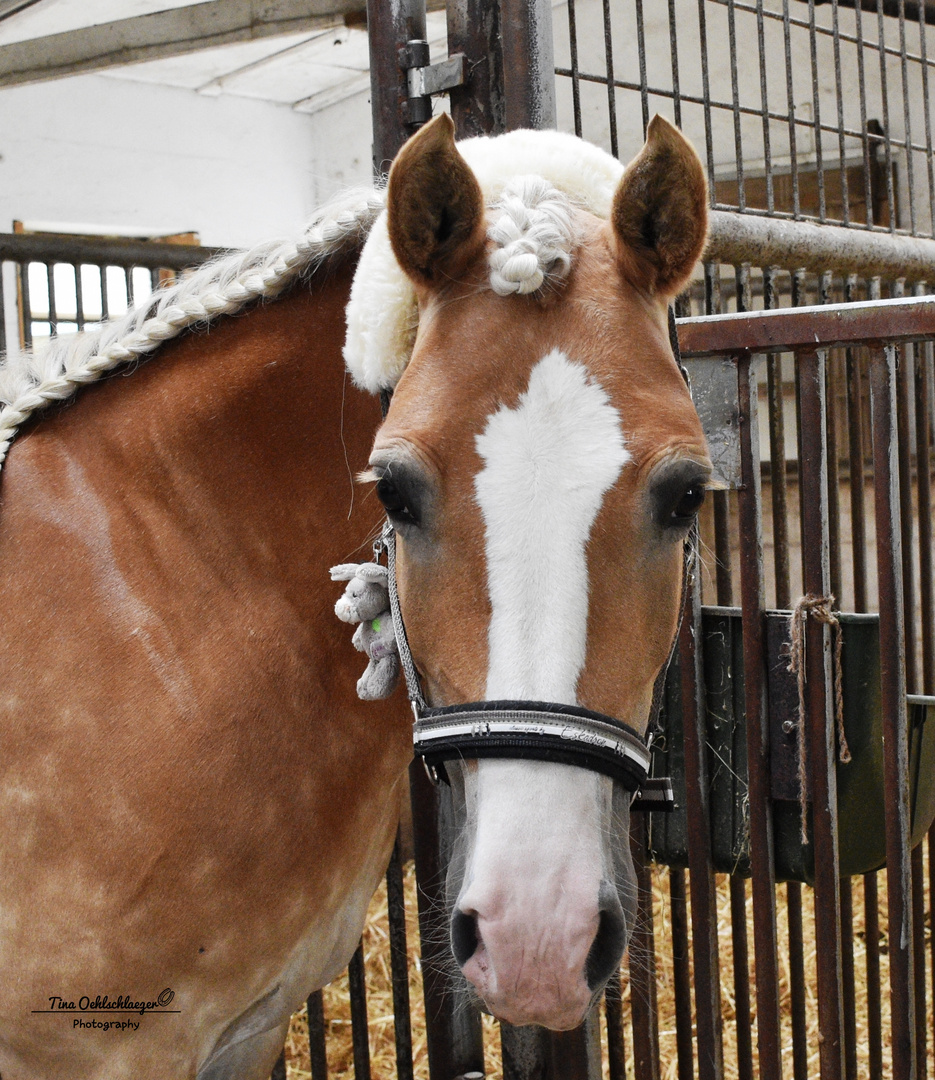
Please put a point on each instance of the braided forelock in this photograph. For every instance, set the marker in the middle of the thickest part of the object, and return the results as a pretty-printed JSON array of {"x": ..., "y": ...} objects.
[
  {"x": 533, "y": 233},
  {"x": 31, "y": 381}
]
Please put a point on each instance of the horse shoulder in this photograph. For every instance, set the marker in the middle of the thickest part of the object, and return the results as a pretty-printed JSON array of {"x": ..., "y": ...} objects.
[{"x": 193, "y": 796}]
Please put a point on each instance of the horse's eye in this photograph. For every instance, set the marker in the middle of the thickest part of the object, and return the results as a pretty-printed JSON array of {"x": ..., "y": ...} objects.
[
  {"x": 677, "y": 491},
  {"x": 394, "y": 502},
  {"x": 688, "y": 505}
]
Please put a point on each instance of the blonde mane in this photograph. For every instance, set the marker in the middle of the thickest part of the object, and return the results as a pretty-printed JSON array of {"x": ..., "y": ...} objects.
[{"x": 31, "y": 381}]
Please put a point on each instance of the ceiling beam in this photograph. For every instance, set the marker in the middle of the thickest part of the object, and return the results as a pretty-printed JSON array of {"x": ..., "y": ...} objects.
[
  {"x": 9, "y": 8},
  {"x": 165, "y": 33}
]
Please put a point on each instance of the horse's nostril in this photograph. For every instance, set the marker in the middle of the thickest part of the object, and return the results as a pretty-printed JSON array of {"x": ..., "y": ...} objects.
[
  {"x": 609, "y": 941},
  {"x": 463, "y": 936}
]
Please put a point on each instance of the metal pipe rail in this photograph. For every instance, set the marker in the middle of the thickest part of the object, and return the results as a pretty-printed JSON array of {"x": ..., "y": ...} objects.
[
  {"x": 109, "y": 251},
  {"x": 826, "y": 326},
  {"x": 900, "y": 458},
  {"x": 762, "y": 240}
]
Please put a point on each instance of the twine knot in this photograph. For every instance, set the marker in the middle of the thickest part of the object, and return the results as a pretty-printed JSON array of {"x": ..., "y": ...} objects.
[{"x": 821, "y": 609}]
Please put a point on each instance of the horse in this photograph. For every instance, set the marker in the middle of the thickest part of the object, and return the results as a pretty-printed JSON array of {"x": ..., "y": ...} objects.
[{"x": 195, "y": 806}]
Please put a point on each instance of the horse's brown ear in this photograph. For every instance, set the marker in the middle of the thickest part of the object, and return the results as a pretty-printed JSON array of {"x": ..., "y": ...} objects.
[
  {"x": 435, "y": 206},
  {"x": 660, "y": 211}
]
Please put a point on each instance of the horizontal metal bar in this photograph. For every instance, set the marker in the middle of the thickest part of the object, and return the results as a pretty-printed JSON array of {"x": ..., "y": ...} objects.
[
  {"x": 162, "y": 34},
  {"x": 819, "y": 327},
  {"x": 800, "y": 245},
  {"x": 19, "y": 247},
  {"x": 892, "y": 8}
]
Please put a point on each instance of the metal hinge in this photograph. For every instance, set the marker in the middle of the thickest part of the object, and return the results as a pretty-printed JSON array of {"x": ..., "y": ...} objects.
[{"x": 425, "y": 79}]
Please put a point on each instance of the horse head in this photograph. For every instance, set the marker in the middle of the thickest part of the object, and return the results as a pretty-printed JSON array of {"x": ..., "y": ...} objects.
[{"x": 542, "y": 464}]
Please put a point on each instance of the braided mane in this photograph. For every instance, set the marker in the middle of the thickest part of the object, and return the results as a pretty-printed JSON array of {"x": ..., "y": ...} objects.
[{"x": 224, "y": 286}]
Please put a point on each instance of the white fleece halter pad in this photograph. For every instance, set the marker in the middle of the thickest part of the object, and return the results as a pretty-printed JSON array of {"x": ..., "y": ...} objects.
[{"x": 382, "y": 314}]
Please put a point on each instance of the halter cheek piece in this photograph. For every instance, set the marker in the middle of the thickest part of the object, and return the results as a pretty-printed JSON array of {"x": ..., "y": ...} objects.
[{"x": 533, "y": 730}]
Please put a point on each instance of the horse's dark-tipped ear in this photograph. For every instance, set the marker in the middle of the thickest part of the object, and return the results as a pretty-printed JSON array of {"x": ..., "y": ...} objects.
[
  {"x": 435, "y": 206},
  {"x": 660, "y": 211}
]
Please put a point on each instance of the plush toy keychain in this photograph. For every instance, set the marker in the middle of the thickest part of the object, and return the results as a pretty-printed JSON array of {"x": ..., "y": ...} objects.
[{"x": 366, "y": 600}]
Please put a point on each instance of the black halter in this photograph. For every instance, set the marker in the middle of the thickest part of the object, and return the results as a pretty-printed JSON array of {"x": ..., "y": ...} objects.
[
  {"x": 529, "y": 730},
  {"x": 534, "y": 730}
]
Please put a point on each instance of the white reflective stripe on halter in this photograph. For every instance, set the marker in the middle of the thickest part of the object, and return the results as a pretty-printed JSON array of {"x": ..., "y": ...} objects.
[{"x": 468, "y": 724}]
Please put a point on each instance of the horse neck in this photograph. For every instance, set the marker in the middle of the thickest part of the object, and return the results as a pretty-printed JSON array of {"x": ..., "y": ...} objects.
[{"x": 243, "y": 436}]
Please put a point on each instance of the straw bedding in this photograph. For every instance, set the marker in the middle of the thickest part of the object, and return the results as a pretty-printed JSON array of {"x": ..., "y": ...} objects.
[{"x": 380, "y": 1003}]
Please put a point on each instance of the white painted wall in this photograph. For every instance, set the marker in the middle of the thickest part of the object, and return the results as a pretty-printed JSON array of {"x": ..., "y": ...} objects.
[
  {"x": 112, "y": 153},
  {"x": 342, "y": 146},
  {"x": 99, "y": 154}
]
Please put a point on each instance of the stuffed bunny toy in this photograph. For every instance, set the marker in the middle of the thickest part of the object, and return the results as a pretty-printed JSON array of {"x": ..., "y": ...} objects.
[{"x": 366, "y": 601}]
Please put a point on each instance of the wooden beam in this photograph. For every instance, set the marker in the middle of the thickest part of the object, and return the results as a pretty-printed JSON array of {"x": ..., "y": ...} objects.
[
  {"x": 13, "y": 7},
  {"x": 163, "y": 34}
]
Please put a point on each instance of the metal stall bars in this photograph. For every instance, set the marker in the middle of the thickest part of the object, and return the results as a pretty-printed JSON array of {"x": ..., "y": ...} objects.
[
  {"x": 63, "y": 284},
  {"x": 814, "y": 121},
  {"x": 885, "y": 329}
]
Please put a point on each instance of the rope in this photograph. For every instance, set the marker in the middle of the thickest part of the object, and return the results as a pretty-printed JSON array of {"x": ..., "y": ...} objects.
[{"x": 819, "y": 608}]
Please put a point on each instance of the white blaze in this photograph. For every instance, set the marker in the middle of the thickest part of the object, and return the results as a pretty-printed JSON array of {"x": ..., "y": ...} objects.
[
  {"x": 547, "y": 465},
  {"x": 534, "y": 873}
]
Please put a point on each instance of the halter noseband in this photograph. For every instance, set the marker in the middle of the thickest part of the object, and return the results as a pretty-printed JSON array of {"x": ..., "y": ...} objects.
[
  {"x": 528, "y": 730},
  {"x": 534, "y": 730}
]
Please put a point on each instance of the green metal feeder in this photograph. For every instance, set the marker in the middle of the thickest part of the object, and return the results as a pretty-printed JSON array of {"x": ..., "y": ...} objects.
[{"x": 861, "y": 840}]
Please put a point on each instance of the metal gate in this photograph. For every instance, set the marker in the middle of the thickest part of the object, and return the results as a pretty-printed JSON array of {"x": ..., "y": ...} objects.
[{"x": 814, "y": 121}]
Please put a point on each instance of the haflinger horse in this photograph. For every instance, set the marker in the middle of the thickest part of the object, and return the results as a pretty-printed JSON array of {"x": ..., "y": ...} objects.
[{"x": 195, "y": 806}]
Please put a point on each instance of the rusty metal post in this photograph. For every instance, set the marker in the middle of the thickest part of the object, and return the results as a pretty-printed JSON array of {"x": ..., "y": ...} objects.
[
  {"x": 390, "y": 24},
  {"x": 399, "y": 964},
  {"x": 317, "y": 1050},
  {"x": 763, "y": 876},
  {"x": 453, "y": 1028},
  {"x": 681, "y": 975},
  {"x": 477, "y": 107},
  {"x": 642, "y": 962},
  {"x": 818, "y": 727},
  {"x": 528, "y": 63},
  {"x": 357, "y": 987},
  {"x": 704, "y": 917},
  {"x": 510, "y": 69},
  {"x": 613, "y": 1016},
  {"x": 893, "y": 697}
]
